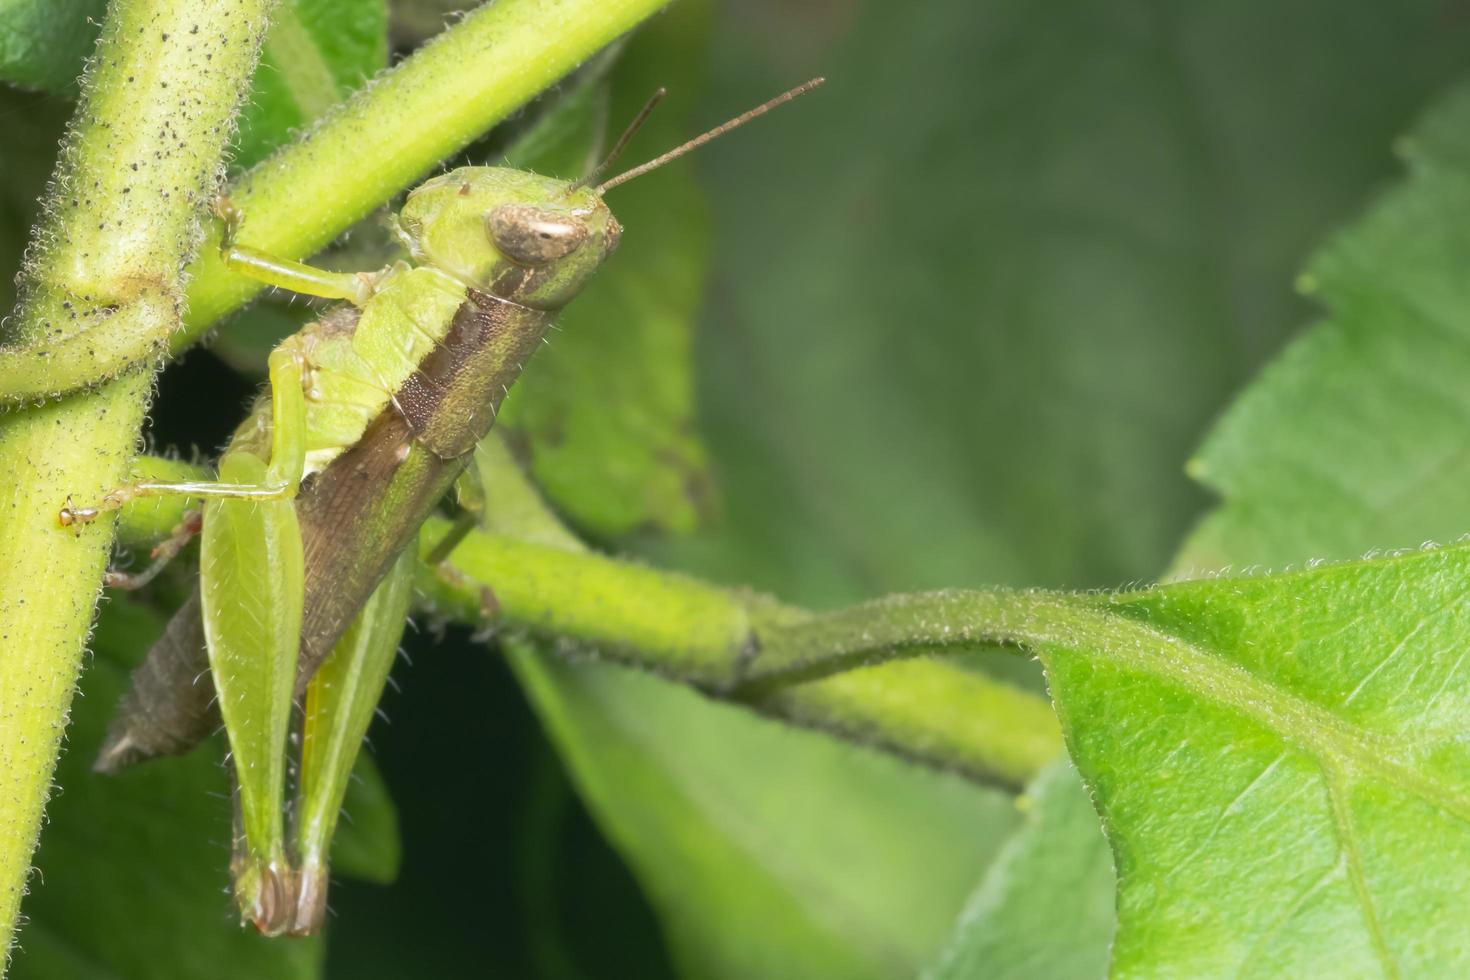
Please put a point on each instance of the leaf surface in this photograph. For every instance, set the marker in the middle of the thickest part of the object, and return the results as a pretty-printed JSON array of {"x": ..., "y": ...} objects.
[
  {"x": 367, "y": 845},
  {"x": 1281, "y": 764},
  {"x": 973, "y": 302},
  {"x": 976, "y": 298},
  {"x": 766, "y": 851},
  {"x": 1356, "y": 437},
  {"x": 316, "y": 53},
  {"x": 43, "y": 43},
  {"x": 605, "y": 413},
  {"x": 1045, "y": 907}
]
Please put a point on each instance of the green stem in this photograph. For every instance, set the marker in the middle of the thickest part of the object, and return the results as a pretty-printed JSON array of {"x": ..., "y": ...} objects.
[
  {"x": 393, "y": 131},
  {"x": 929, "y": 710},
  {"x": 898, "y": 625},
  {"x": 390, "y": 133},
  {"x": 678, "y": 626},
  {"x": 120, "y": 222}
]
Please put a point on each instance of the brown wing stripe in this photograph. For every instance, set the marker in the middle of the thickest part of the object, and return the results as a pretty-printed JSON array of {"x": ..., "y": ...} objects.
[{"x": 451, "y": 400}]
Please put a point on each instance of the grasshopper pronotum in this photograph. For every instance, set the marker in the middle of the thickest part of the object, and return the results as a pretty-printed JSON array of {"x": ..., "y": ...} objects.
[{"x": 376, "y": 407}]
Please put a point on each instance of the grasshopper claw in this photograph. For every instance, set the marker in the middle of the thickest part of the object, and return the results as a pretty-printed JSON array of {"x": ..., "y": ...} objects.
[
  {"x": 69, "y": 515},
  {"x": 230, "y": 217}
]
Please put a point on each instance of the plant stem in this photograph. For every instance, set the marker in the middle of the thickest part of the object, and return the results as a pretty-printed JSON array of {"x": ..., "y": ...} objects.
[
  {"x": 391, "y": 132},
  {"x": 678, "y": 626},
  {"x": 929, "y": 710},
  {"x": 895, "y": 625},
  {"x": 399, "y": 127},
  {"x": 120, "y": 223},
  {"x": 711, "y": 638}
]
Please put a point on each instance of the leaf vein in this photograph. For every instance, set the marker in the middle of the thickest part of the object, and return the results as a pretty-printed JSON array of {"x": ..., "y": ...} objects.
[{"x": 1347, "y": 838}]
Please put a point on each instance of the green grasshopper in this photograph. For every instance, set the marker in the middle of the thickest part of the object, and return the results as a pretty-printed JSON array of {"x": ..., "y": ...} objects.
[{"x": 373, "y": 411}]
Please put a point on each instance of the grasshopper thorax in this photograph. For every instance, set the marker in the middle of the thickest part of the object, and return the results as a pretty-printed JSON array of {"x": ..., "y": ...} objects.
[{"x": 520, "y": 236}]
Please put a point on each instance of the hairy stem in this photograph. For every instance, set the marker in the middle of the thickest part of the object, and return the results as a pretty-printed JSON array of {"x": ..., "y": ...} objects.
[
  {"x": 362, "y": 153},
  {"x": 896, "y": 625},
  {"x": 930, "y": 710},
  {"x": 107, "y": 265},
  {"x": 524, "y": 570},
  {"x": 398, "y": 128}
]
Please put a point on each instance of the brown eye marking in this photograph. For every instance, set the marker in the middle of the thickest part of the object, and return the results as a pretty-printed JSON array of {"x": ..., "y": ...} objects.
[{"x": 533, "y": 236}]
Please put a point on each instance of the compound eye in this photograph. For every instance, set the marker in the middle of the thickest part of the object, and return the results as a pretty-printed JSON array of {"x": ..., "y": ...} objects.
[{"x": 532, "y": 236}]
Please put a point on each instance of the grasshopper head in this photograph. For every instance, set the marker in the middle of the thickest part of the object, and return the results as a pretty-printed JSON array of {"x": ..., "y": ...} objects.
[{"x": 517, "y": 235}]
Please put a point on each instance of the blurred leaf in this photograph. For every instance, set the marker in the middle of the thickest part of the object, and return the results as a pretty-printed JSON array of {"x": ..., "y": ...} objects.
[
  {"x": 43, "y": 43},
  {"x": 566, "y": 139},
  {"x": 247, "y": 339},
  {"x": 1356, "y": 438},
  {"x": 767, "y": 851},
  {"x": 317, "y": 51},
  {"x": 503, "y": 873},
  {"x": 976, "y": 298},
  {"x": 366, "y": 845},
  {"x": 34, "y": 124},
  {"x": 133, "y": 869},
  {"x": 606, "y": 411},
  {"x": 412, "y": 22},
  {"x": 1273, "y": 757},
  {"x": 1045, "y": 908}
]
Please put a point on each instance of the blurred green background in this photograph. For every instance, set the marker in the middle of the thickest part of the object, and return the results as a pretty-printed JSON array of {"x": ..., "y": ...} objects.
[{"x": 959, "y": 318}]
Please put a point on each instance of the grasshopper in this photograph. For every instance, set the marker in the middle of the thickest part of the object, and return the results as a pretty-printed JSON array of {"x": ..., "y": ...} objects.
[{"x": 372, "y": 413}]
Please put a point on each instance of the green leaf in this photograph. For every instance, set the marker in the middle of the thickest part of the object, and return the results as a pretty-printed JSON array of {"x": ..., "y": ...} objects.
[
  {"x": 606, "y": 412},
  {"x": 767, "y": 852},
  {"x": 133, "y": 869},
  {"x": 969, "y": 338},
  {"x": 1045, "y": 908},
  {"x": 1281, "y": 764},
  {"x": 34, "y": 124},
  {"x": 317, "y": 52},
  {"x": 43, "y": 43},
  {"x": 976, "y": 298},
  {"x": 567, "y": 138},
  {"x": 1356, "y": 438},
  {"x": 367, "y": 844}
]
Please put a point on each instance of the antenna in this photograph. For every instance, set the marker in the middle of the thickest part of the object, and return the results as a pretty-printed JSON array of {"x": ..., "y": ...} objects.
[
  {"x": 622, "y": 142},
  {"x": 715, "y": 133}
]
